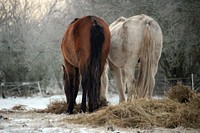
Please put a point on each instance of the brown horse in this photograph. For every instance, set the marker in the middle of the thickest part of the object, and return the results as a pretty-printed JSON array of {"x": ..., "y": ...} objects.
[{"x": 85, "y": 48}]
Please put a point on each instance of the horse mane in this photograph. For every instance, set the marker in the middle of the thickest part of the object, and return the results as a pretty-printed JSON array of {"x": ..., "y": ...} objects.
[{"x": 146, "y": 82}]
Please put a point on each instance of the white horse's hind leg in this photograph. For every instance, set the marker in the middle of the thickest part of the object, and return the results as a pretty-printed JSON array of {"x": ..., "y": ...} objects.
[
  {"x": 152, "y": 87},
  {"x": 131, "y": 84},
  {"x": 104, "y": 85},
  {"x": 154, "y": 71},
  {"x": 117, "y": 74}
]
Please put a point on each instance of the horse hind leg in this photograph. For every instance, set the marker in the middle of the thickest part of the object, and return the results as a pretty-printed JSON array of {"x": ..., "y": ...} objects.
[
  {"x": 69, "y": 87},
  {"x": 77, "y": 82},
  {"x": 85, "y": 86},
  {"x": 94, "y": 93},
  {"x": 131, "y": 85},
  {"x": 154, "y": 71},
  {"x": 69, "y": 94},
  {"x": 119, "y": 80},
  {"x": 104, "y": 87}
]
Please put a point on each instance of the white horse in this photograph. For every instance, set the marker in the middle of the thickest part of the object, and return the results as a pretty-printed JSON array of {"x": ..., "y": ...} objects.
[{"x": 136, "y": 42}]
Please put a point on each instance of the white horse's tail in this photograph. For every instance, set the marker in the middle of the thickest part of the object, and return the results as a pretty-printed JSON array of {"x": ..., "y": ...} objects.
[{"x": 149, "y": 56}]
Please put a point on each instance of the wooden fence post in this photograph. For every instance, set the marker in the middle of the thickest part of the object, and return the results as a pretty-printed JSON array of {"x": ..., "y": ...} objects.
[
  {"x": 192, "y": 81},
  {"x": 39, "y": 88}
]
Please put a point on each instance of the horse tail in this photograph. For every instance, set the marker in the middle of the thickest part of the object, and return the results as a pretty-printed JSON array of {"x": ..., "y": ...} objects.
[
  {"x": 150, "y": 53},
  {"x": 96, "y": 41}
]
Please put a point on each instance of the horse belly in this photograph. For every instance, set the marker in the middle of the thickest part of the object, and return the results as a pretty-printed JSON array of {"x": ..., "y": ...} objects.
[{"x": 117, "y": 56}]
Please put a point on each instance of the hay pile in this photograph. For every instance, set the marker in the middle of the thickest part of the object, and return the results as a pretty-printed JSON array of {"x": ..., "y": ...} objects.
[
  {"x": 55, "y": 107},
  {"x": 181, "y": 93},
  {"x": 180, "y": 107},
  {"x": 144, "y": 113},
  {"x": 58, "y": 107}
]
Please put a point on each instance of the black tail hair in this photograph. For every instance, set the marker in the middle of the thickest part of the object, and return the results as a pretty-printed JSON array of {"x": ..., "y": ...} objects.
[{"x": 96, "y": 41}]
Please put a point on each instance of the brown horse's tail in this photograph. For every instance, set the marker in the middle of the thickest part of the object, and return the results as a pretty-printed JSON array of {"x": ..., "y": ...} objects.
[
  {"x": 149, "y": 56},
  {"x": 96, "y": 41}
]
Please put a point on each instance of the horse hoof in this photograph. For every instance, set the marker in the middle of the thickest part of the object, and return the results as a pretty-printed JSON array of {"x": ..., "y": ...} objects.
[
  {"x": 91, "y": 110},
  {"x": 81, "y": 111},
  {"x": 103, "y": 103},
  {"x": 69, "y": 112}
]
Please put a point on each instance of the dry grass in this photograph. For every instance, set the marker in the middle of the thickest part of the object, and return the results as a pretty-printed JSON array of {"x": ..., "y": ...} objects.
[
  {"x": 181, "y": 93},
  {"x": 55, "y": 107},
  {"x": 143, "y": 113},
  {"x": 180, "y": 107},
  {"x": 58, "y": 107}
]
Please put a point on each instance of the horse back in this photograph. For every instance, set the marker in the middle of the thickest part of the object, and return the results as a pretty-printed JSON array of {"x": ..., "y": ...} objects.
[
  {"x": 76, "y": 41},
  {"x": 128, "y": 37}
]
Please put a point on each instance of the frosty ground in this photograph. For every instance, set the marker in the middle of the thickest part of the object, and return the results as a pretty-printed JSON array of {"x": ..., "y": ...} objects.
[{"x": 28, "y": 121}]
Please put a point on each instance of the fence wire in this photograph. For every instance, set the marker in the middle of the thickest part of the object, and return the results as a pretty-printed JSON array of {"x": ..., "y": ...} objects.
[{"x": 18, "y": 89}]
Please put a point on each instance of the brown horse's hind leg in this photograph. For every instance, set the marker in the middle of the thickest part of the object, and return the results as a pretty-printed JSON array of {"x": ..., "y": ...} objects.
[
  {"x": 94, "y": 94},
  {"x": 85, "y": 85},
  {"x": 68, "y": 92},
  {"x": 77, "y": 82},
  {"x": 70, "y": 88}
]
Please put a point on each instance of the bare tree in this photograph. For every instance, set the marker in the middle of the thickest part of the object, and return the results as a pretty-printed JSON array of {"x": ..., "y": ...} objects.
[{"x": 31, "y": 33}]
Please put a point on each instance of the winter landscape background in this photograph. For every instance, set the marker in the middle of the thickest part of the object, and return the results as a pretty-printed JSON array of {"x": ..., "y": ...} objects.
[
  {"x": 31, "y": 32},
  {"x": 30, "y": 58}
]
